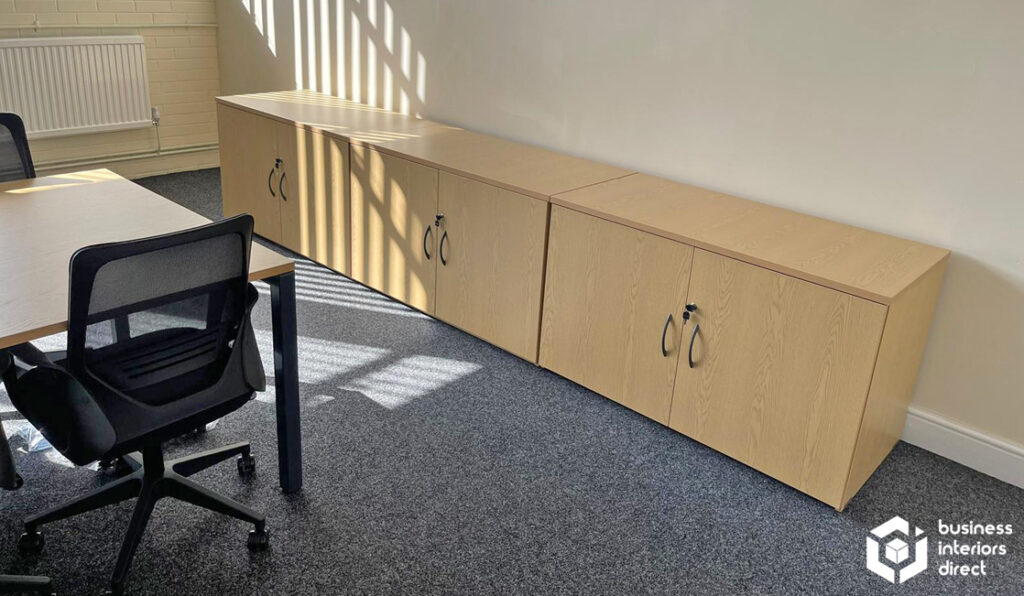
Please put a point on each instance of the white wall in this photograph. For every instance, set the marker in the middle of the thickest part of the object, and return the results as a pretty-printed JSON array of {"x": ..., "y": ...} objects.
[{"x": 904, "y": 117}]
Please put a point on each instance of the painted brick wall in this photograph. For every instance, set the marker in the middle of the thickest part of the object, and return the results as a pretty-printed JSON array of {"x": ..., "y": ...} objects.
[{"x": 183, "y": 79}]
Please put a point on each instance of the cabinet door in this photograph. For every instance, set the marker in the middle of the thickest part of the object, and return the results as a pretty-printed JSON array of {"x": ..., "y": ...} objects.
[
  {"x": 394, "y": 242},
  {"x": 781, "y": 372},
  {"x": 608, "y": 296},
  {"x": 314, "y": 195},
  {"x": 248, "y": 148},
  {"x": 491, "y": 263}
]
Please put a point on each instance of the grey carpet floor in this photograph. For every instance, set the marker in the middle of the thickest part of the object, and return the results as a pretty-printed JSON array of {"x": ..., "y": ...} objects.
[{"x": 438, "y": 464}]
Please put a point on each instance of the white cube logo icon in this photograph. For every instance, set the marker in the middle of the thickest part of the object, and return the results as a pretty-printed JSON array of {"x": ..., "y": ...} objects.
[
  {"x": 897, "y": 551},
  {"x": 900, "y": 563}
]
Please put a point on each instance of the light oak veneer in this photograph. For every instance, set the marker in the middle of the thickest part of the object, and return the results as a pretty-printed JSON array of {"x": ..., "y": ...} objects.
[
  {"x": 528, "y": 170},
  {"x": 514, "y": 166},
  {"x": 854, "y": 260},
  {"x": 811, "y": 331},
  {"x": 781, "y": 371},
  {"x": 248, "y": 147},
  {"x": 490, "y": 269},
  {"x": 608, "y": 295},
  {"x": 394, "y": 240}
]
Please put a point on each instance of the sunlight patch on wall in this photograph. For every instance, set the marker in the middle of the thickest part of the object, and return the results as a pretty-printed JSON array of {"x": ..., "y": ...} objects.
[
  {"x": 325, "y": 48},
  {"x": 311, "y": 47},
  {"x": 341, "y": 88},
  {"x": 371, "y": 74},
  {"x": 355, "y": 49},
  {"x": 357, "y": 88},
  {"x": 262, "y": 13},
  {"x": 271, "y": 33},
  {"x": 421, "y": 78},
  {"x": 297, "y": 36}
]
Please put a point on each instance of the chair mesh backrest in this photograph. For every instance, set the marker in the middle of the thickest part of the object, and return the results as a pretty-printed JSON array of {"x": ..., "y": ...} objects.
[
  {"x": 155, "y": 318},
  {"x": 15, "y": 158}
]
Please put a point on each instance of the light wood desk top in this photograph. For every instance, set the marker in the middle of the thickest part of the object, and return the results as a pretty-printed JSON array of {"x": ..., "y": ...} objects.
[
  {"x": 507, "y": 164},
  {"x": 43, "y": 221},
  {"x": 846, "y": 258}
]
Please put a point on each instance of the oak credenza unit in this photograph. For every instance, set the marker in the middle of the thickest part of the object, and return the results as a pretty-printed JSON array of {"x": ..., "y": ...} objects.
[{"x": 788, "y": 342}]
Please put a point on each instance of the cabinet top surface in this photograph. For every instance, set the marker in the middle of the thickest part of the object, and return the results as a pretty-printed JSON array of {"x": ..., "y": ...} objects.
[
  {"x": 344, "y": 117},
  {"x": 854, "y": 260},
  {"x": 522, "y": 168}
]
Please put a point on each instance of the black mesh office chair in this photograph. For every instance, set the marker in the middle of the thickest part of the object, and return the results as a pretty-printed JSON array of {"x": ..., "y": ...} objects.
[
  {"x": 188, "y": 357},
  {"x": 15, "y": 158},
  {"x": 15, "y": 164}
]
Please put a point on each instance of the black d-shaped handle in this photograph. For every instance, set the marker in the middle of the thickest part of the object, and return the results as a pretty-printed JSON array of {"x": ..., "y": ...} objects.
[
  {"x": 664, "y": 332},
  {"x": 689, "y": 356}
]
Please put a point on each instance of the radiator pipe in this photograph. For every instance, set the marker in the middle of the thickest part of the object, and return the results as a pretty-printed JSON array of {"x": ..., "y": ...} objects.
[
  {"x": 74, "y": 164},
  {"x": 36, "y": 26}
]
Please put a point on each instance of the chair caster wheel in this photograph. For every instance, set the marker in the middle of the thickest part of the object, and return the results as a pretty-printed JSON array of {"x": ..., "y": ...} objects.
[
  {"x": 259, "y": 540},
  {"x": 18, "y": 482},
  {"x": 246, "y": 465},
  {"x": 31, "y": 543}
]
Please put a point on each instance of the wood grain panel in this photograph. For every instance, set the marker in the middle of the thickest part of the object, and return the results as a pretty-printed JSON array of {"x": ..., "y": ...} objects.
[
  {"x": 892, "y": 386},
  {"x": 608, "y": 292},
  {"x": 514, "y": 166},
  {"x": 782, "y": 372},
  {"x": 248, "y": 147},
  {"x": 850, "y": 259},
  {"x": 489, "y": 283},
  {"x": 43, "y": 221},
  {"x": 315, "y": 202},
  {"x": 394, "y": 201}
]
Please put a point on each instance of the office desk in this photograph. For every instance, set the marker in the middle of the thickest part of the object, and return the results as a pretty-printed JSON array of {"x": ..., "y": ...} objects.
[{"x": 43, "y": 221}]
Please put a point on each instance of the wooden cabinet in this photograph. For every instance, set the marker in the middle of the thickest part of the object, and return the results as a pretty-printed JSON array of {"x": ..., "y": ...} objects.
[
  {"x": 781, "y": 370},
  {"x": 293, "y": 181},
  {"x": 394, "y": 240},
  {"x": 490, "y": 265},
  {"x": 613, "y": 303},
  {"x": 810, "y": 335},
  {"x": 249, "y": 173},
  {"x": 314, "y": 195}
]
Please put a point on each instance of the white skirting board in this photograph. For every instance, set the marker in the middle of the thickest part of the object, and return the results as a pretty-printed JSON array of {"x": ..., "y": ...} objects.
[{"x": 995, "y": 457}]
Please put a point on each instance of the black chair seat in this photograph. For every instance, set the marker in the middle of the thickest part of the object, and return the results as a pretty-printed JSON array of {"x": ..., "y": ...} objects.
[{"x": 159, "y": 367}]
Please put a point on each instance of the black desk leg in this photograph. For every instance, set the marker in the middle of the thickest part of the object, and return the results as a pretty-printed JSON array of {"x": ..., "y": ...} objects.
[
  {"x": 9, "y": 478},
  {"x": 286, "y": 381}
]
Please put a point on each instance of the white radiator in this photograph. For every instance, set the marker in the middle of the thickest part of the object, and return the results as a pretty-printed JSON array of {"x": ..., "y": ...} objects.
[{"x": 73, "y": 85}]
